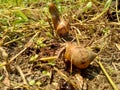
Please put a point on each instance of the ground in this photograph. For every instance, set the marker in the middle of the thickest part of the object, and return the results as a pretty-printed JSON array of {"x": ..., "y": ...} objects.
[{"x": 29, "y": 48}]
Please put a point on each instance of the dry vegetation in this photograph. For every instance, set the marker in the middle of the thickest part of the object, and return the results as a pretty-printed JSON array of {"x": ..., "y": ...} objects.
[{"x": 29, "y": 45}]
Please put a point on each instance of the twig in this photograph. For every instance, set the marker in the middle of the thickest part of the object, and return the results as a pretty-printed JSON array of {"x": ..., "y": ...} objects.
[
  {"x": 18, "y": 39},
  {"x": 22, "y": 75},
  {"x": 48, "y": 58},
  {"x": 88, "y": 24},
  {"x": 106, "y": 74},
  {"x": 77, "y": 34},
  {"x": 16, "y": 55},
  {"x": 77, "y": 38}
]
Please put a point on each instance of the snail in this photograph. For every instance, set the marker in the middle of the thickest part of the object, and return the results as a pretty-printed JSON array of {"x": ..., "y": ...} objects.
[
  {"x": 60, "y": 25},
  {"x": 79, "y": 56}
]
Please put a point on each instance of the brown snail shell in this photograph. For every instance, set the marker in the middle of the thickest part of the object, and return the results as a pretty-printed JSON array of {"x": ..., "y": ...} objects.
[{"x": 79, "y": 56}]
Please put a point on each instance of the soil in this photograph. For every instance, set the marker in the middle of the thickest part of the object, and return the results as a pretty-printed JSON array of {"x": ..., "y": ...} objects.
[{"x": 31, "y": 70}]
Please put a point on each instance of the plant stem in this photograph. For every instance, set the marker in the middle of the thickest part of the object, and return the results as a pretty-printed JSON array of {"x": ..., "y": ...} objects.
[{"x": 108, "y": 77}]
